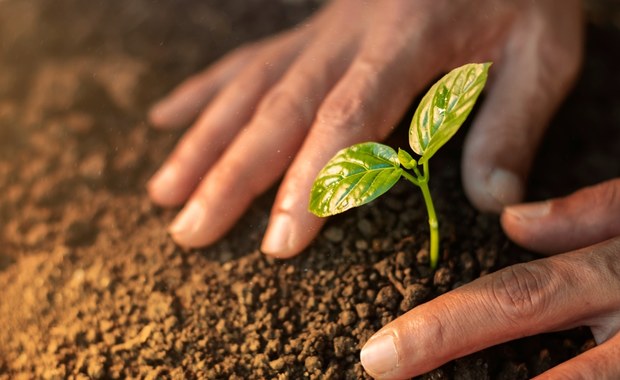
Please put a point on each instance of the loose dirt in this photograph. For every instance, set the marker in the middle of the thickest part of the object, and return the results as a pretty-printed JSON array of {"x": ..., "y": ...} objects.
[{"x": 92, "y": 287}]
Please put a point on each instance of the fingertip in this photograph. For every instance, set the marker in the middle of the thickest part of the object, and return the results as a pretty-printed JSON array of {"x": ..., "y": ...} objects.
[
  {"x": 277, "y": 240},
  {"x": 562, "y": 224},
  {"x": 491, "y": 193},
  {"x": 523, "y": 214},
  {"x": 505, "y": 187},
  {"x": 160, "y": 115},
  {"x": 163, "y": 187},
  {"x": 524, "y": 224},
  {"x": 289, "y": 235},
  {"x": 379, "y": 356},
  {"x": 189, "y": 228}
]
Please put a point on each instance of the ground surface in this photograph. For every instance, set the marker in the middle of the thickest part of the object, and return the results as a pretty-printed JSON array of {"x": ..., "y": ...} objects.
[{"x": 91, "y": 286}]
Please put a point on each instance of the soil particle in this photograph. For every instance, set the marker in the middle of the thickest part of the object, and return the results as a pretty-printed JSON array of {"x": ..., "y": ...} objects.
[
  {"x": 475, "y": 367},
  {"x": 388, "y": 297},
  {"x": 80, "y": 232},
  {"x": 158, "y": 306},
  {"x": 443, "y": 277},
  {"x": 344, "y": 347},
  {"x": 347, "y": 318},
  {"x": 512, "y": 370},
  {"x": 313, "y": 364},
  {"x": 334, "y": 234},
  {"x": 367, "y": 228},
  {"x": 415, "y": 294},
  {"x": 364, "y": 310},
  {"x": 422, "y": 257},
  {"x": 543, "y": 362}
]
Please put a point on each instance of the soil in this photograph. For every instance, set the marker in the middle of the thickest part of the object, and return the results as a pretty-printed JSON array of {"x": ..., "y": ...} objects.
[{"x": 92, "y": 287}]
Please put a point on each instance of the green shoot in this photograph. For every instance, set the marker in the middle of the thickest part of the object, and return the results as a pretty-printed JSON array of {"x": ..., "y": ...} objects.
[{"x": 360, "y": 173}]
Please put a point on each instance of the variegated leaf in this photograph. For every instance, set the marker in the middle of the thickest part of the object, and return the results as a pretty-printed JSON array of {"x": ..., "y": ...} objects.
[
  {"x": 445, "y": 107},
  {"x": 353, "y": 177}
]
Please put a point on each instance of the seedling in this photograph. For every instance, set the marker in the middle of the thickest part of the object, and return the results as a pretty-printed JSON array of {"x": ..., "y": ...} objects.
[{"x": 360, "y": 173}]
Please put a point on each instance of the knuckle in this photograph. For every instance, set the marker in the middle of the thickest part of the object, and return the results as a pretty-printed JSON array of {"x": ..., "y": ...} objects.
[
  {"x": 345, "y": 115},
  {"x": 342, "y": 113},
  {"x": 608, "y": 195},
  {"x": 602, "y": 202},
  {"x": 559, "y": 67},
  {"x": 278, "y": 98},
  {"x": 283, "y": 104},
  {"x": 563, "y": 64},
  {"x": 232, "y": 178},
  {"x": 257, "y": 75},
  {"x": 608, "y": 264},
  {"x": 518, "y": 138},
  {"x": 520, "y": 292},
  {"x": 349, "y": 108},
  {"x": 188, "y": 149},
  {"x": 223, "y": 178},
  {"x": 261, "y": 71},
  {"x": 224, "y": 182},
  {"x": 434, "y": 330}
]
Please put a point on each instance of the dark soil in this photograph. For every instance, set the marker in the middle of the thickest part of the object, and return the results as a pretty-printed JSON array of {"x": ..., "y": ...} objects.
[{"x": 91, "y": 286}]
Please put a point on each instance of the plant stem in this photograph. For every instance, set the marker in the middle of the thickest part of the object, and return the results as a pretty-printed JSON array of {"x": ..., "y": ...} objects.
[
  {"x": 432, "y": 223},
  {"x": 411, "y": 178},
  {"x": 422, "y": 182}
]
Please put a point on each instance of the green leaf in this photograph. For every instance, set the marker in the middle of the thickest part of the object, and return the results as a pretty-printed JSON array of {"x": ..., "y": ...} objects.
[
  {"x": 353, "y": 177},
  {"x": 445, "y": 107},
  {"x": 406, "y": 160}
]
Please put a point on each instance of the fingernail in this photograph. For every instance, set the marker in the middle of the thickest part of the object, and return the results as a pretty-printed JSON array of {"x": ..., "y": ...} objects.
[
  {"x": 162, "y": 183},
  {"x": 529, "y": 211},
  {"x": 278, "y": 237},
  {"x": 505, "y": 187},
  {"x": 379, "y": 355},
  {"x": 187, "y": 222}
]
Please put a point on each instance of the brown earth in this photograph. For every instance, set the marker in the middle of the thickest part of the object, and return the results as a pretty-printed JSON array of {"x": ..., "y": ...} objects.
[{"x": 91, "y": 286}]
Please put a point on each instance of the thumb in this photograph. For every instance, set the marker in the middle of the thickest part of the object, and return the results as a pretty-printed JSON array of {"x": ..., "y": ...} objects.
[
  {"x": 579, "y": 220},
  {"x": 539, "y": 64}
]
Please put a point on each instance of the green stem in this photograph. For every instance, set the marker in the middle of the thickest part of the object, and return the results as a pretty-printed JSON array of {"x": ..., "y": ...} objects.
[
  {"x": 411, "y": 178},
  {"x": 417, "y": 173},
  {"x": 432, "y": 223},
  {"x": 422, "y": 182}
]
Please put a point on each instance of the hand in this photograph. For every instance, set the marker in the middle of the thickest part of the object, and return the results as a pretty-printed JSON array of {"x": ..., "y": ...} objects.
[
  {"x": 288, "y": 104},
  {"x": 579, "y": 288}
]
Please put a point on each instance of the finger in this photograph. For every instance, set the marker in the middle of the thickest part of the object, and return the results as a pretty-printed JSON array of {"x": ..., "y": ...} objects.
[
  {"x": 581, "y": 219},
  {"x": 186, "y": 101},
  {"x": 534, "y": 75},
  {"x": 205, "y": 141},
  {"x": 559, "y": 292},
  {"x": 263, "y": 150},
  {"x": 364, "y": 106},
  {"x": 600, "y": 362}
]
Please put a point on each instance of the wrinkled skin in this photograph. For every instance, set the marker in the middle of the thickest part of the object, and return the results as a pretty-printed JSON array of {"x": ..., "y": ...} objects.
[
  {"x": 565, "y": 290},
  {"x": 285, "y": 105}
]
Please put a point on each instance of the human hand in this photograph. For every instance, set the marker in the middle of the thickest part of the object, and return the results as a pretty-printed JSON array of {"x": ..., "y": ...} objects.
[
  {"x": 579, "y": 288},
  {"x": 288, "y": 104}
]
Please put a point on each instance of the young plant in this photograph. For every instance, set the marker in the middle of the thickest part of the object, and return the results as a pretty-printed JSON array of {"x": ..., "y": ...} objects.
[{"x": 360, "y": 173}]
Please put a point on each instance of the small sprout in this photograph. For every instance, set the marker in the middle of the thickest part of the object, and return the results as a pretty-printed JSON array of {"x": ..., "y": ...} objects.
[
  {"x": 406, "y": 160},
  {"x": 360, "y": 173}
]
